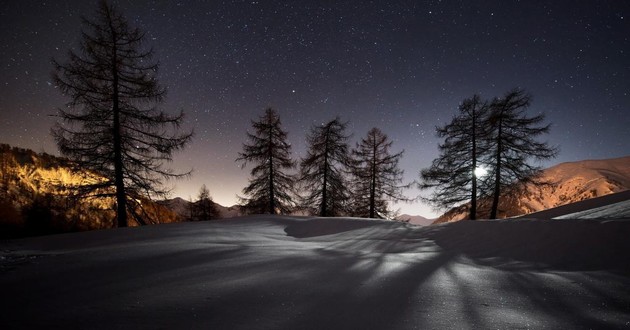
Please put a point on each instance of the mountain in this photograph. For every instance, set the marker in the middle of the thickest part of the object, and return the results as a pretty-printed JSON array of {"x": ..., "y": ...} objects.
[
  {"x": 182, "y": 208},
  {"x": 37, "y": 196},
  {"x": 415, "y": 219},
  {"x": 569, "y": 183}
]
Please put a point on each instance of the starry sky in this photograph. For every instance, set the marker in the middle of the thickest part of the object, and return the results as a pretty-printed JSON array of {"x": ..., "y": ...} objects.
[{"x": 402, "y": 66}]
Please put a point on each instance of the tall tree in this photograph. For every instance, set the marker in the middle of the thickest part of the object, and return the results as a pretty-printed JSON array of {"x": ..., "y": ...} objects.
[
  {"x": 514, "y": 141},
  {"x": 322, "y": 171},
  {"x": 453, "y": 176},
  {"x": 204, "y": 208},
  {"x": 270, "y": 188},
  {"x": 376, "y": 174},
  {"x": 111, "y": 124}
]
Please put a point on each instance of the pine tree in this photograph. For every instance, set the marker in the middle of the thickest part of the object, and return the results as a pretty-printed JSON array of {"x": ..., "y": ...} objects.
[
  {"x": 111, "y": 124},
  {"x": 322, "y": 171},
  {"x": 204, "y": 208},
  {"x": 453, "y": 175},
  {"x": 270, "y": 188},
  {"x": 514, "y": 141},
  {"x": 377, "y": 176}
]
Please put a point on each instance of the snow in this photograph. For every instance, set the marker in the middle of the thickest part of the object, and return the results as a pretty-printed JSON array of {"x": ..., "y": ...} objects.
[
  {"x": 273, "y": 272},
  {"x": 614, "y": 211},
  {"x": 612, "y": 206},
  {"x": 615, "y": 206}
]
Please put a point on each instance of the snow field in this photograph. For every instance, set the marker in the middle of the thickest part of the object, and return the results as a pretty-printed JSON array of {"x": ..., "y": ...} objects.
[{"x": 271, "y": 272}]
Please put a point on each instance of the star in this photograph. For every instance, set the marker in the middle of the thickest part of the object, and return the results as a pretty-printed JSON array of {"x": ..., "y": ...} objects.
[{"x": 372, "y": 63}]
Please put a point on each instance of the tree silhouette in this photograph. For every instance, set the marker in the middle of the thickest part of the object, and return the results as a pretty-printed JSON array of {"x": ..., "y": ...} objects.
[
  {"x": 204, "y": 208},
  {"x": 514, "y": 141},
  {"x": 270, "y": 187},
  {"x": 322, "y": 171},
  {"x": 453, "y": 175},
  {"x": 111, "y": 124},
  {"x": 377, "y": 177}
]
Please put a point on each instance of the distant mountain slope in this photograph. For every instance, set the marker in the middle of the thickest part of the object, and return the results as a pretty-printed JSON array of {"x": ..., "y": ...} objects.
[
  {"x": 182, "y": 208},
  {"x": 415, "y": 219},
  {"x": 572, "y": 182}
]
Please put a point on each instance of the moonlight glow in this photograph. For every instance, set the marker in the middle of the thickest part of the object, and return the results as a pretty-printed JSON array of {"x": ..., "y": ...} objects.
[{"x": 481, "y": 172}]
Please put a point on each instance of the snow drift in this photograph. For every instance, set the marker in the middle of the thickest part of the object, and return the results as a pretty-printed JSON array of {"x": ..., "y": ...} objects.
[
  {"x": 613, "y": 206},
  {"x": 270, "y": 272}
]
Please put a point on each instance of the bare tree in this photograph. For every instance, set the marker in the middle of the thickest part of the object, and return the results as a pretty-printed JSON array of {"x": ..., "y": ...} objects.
[
  {"x": 270, "y": 187},
  {"x": 377, "y": 176},
  {"x": 453, "y": 176},
  {"x": 514, "y": 141},
  {"x": 204, "y": 208},
  {"x": 322, "y": 171},
  {"x": 111, "y": 124}
]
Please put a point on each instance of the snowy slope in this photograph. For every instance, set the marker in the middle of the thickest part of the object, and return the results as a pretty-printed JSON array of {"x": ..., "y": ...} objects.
[
  {"x": 613, "y": 211},
  {"x": 613, "y": 206},
  {"x": 269, "y": 272},
  {"x": 571, "y": 182}
]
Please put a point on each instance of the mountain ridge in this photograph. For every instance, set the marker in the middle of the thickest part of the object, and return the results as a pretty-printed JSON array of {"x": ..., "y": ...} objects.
[
  {"x": 35, "y": 186},
  {"x": 182, "y": 208}
]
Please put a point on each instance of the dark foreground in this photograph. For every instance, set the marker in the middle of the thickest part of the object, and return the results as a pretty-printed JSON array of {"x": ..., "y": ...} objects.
[{"x": 301, "y": 273}]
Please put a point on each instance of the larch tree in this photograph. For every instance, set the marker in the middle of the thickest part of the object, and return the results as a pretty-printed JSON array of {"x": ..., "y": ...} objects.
[
  {"x": 111, "y": 125},
  {"x": 323, "y": 170},
  {"x": 204, "y": 208},
  {"x": 377, "y": 178},
  {"x": 514, "y": 141},
  {"x": 270, "y": 188},
  {"x": 453, "y": 176}
]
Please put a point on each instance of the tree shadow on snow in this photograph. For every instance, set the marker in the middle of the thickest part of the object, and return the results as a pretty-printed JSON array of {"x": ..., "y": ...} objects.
[{"x": 364, "y": 275}]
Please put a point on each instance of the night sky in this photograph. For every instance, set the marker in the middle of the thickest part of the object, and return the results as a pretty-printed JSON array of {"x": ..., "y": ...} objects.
[{"x": 401, "y": 66}]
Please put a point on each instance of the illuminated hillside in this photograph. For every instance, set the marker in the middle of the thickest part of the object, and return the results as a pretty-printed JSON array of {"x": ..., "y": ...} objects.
[{"x": 38, "y": 194}]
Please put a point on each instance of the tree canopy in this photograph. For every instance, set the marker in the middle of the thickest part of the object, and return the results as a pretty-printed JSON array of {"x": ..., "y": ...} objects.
[
  {"x": 270, "y": 187},
  {"x": 497, "y": 136},
  {"x": 376, "y": 175},
  {"x": 111, "y": 125},
  {"x": 323, "y": 170}
]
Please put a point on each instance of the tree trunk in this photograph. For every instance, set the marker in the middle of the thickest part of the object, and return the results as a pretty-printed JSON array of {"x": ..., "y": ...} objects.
[
  {"x": 497, "y": 177},
  {"x": 119, "y": 182},
  {"x": 272, "y": 197},
  {"x": 373, "y": 183},
  {"x": 473, "y": 193},
  {"x": 324, "y": 209},
  {"x": 121, "y": 195}
]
